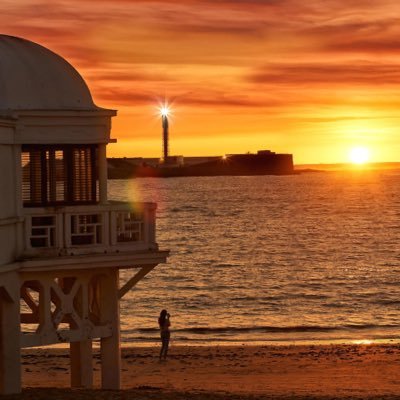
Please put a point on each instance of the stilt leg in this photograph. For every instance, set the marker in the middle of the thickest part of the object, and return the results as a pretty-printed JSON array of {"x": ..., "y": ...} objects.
[
  {"x": 10, "y": 352},
  {"x": 81, "y": 364},
  {"x": 110, "y": 346}
]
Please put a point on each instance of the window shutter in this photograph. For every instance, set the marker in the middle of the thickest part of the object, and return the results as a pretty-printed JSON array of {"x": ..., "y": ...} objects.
[{"x": 55, "y": 175}]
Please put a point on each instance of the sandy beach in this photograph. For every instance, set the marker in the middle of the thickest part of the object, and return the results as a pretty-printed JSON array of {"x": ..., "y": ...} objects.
[{"x": 222, "y": 372}]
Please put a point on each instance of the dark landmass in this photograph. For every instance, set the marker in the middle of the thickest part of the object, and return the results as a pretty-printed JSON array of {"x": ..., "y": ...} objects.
[{"x": 262, "y": 163}]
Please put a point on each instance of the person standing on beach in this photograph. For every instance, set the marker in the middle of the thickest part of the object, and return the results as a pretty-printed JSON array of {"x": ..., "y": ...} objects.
[{"x": 164, "y": 323}]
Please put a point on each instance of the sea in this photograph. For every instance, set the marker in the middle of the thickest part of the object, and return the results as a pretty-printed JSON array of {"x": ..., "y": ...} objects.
[{"x": 270, "y": 259}]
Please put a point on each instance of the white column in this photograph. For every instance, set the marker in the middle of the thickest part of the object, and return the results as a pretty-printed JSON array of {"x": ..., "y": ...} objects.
[
  {"x": 81, "y": 354},
  {"x": 20, "y": 232},
  {"x": 81, "y": 364},
  {"x": 150, "y": 223},
  {"x": 110, "y": 346},
  {"x": 10, "y": 331},
  {"x": 102, "y": 157}
]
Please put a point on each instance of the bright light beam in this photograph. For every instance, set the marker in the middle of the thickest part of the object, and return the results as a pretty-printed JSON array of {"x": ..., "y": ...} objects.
[{"x": 164, "y": 111}]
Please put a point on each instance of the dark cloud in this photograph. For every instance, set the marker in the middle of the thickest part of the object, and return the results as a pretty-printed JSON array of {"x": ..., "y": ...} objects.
[
  {"x": 123, "y": 96},
  {"x": 210, "y": 100},
  {"x": 370, "y": 36},
  {"x": 372, "y": 46},
  {"x": 216, "y": 28},
  {"x": 116, "y": 76},
  {"x": 204, "y": 99},
  {"x": 332, "y": 74}
]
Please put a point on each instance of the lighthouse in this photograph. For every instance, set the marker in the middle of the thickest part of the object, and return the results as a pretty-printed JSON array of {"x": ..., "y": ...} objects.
[
  {"x": 62, "y": 240},
  {"x": 165, "y": 132}
]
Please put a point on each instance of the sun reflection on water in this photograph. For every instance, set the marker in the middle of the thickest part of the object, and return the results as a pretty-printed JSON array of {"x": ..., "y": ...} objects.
[{"x": 363, "y": 341}]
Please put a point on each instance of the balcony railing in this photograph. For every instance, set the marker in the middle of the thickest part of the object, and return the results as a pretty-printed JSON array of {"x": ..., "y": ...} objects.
[{"x": 88, "y": 229}]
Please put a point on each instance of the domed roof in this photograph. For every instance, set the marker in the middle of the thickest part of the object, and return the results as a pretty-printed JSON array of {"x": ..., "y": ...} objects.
[{"x": 34, "y": 78}]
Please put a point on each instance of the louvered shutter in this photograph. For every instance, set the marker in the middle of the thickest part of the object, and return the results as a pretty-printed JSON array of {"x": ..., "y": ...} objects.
[{"x": 55, "y": 175}]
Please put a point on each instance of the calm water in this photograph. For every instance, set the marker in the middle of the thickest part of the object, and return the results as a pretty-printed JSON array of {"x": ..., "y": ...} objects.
[{"x": 314, "y": 256}]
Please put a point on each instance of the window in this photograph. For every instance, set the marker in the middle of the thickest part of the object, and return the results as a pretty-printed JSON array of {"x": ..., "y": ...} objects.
[
  {"x": 43, "y": 232},
  {"x": 55, "y": 175},
  {"x": 85, "y": 229}
]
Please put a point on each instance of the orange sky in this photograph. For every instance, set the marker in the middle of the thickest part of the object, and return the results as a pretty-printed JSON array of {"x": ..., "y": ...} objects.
[{"x": 312, "y": 78}]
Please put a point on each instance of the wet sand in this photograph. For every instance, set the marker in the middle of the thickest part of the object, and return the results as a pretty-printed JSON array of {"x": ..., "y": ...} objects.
[{"x": 221, "y": 372}]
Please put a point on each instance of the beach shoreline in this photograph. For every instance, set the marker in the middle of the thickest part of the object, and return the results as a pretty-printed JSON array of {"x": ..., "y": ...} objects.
[
  {"x": 261, "y": 343},
  {"x": 292, "y": 371}
]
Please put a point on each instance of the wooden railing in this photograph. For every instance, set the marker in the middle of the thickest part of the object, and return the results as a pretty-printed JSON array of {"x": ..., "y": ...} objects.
[{"x": 71, "y": 230}]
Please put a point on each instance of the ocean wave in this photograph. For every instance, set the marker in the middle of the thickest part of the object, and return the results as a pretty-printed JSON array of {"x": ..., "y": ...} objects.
[
  {"x": 185, "y": 208},
  {"x": 287, "y": 269},
  {"x": 386, "y": 302},
  {"x": 269, "y": 329},
  {"x": 225, "y": 265}
]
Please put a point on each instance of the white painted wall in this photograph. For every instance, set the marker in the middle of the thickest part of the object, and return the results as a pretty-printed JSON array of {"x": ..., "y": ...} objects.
[
  {"x": 41, "y": 127},
  {"x": 7, "y": 182},
  {"x": 55, "y": 127},
  {"x": 8, "y": 244},
  {"x": 8, "y": 205}
]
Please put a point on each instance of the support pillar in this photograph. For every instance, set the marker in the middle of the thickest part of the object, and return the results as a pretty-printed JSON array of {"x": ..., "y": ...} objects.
[
  {"x": 80, "y": 353},
  {"x": 110, "y": 346},
  {"x": 81, "y": 364},
  {"x": 10, "y": 331}
]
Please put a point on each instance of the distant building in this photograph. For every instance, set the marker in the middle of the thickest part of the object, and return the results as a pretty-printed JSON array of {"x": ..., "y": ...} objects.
[
  {"x": 265, "y": 152},
  {"x": 172, "y": 161},
  {"x": 265, "y": 162}
]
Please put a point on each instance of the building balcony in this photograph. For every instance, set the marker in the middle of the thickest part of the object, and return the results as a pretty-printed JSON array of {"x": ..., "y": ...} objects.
[{"x": 116, "y": 227}]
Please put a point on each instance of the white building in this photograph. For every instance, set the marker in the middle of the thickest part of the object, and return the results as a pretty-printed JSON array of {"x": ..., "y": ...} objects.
[{"x": 62, "y": 242}]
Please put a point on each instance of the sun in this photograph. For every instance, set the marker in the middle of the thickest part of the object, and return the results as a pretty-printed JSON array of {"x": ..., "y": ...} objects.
[{"x": 359, "y": 155}]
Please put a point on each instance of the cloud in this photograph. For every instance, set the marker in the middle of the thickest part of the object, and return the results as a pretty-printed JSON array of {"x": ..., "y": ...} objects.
[
  {"x": 331, "y": 74},
  {"x": 213, "y": 32},
  {"x": 372, "y": 46},
  {"x": 121, "y": 96},
  {"x": 118, "y": 76},
  {"x": 124, "y": 48},
  {"x": 223, "y": 28},
  {"x": 217, "y": 100},
  {"x": 340, "y": 118},
  {"x": 369, "y": 36}
]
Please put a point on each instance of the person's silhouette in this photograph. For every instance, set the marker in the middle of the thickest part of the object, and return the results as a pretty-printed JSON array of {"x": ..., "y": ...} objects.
[{"x": 164, "y": 324}]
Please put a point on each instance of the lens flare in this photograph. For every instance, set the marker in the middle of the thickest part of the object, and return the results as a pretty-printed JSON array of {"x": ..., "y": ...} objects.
[{"x": 164, "y": 110}]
